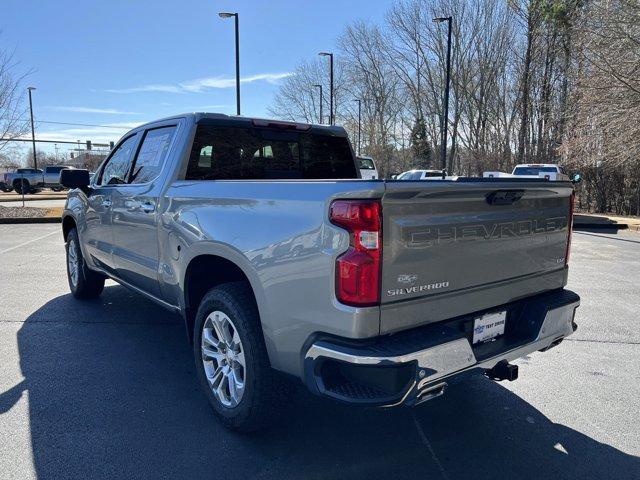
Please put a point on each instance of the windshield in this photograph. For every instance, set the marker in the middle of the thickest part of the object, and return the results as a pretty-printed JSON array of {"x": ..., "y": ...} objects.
[
  {"x": 410, "y": 175},
  {"x": 533, "y": 170},
  {"x": 366, "y": 164}
]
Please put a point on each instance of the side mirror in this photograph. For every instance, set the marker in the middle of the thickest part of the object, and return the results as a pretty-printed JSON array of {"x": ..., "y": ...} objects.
[
  {"x": 576, "y": 178},
  {"x": 75, "y": 178}
]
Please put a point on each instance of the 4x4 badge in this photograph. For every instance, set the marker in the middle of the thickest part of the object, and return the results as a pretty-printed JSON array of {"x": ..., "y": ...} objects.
[{"x": 407, "y": 279}]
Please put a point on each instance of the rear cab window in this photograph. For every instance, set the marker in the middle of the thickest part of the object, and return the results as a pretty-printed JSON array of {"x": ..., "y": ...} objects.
[{"x": 257, "y": 153}]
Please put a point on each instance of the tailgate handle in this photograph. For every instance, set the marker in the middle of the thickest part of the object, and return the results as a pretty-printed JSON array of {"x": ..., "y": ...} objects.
[{"x": 504, "y": 197}]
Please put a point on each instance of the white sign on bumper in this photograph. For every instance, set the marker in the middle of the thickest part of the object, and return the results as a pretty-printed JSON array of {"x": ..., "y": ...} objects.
[{"x": 488, "y": 326}]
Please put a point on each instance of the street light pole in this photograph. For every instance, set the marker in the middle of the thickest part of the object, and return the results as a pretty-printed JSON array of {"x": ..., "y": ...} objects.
[
  {"x": 320, "y": 119},
  {"x": 237, "y": 24},
  {"x": 359, "y": 123},
  {"x": 332, "y": 117},
  {"x": 445, "y": 116},
  {"x": 33, "y": 131}
]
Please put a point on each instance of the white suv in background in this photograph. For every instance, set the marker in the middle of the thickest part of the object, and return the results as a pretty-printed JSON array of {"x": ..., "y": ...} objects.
[
  {"x": 548, "y": 171},
  {"x": 367, "y": 166},
  {"x": 420, "y": 175}
]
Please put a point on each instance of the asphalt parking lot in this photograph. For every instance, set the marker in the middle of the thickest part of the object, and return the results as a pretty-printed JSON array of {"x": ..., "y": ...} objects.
[{"x": 106, "y": 389}]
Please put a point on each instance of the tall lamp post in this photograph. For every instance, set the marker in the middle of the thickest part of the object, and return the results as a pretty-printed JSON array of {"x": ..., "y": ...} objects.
[
  {"x": 331, "y": 114},
  {"x": 320, "y": 88},
  {"x": 33, "y": 131},
  {"x": 445, "y": 115},
  {"x": 359, "y": 122},
  {"x": 235, "y": 16}
]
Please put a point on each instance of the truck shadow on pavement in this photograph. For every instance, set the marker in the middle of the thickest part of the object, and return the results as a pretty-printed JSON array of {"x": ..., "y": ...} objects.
[{"x": 112, "y": 393}]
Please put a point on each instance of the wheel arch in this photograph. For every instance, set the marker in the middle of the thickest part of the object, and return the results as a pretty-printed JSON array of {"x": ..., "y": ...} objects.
[
  {"x": 207, "y": 270},
  {"x": 68, "y": 223}
]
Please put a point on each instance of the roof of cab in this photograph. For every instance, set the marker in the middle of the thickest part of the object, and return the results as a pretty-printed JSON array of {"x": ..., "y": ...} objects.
[{"x": 197, "y": 116}]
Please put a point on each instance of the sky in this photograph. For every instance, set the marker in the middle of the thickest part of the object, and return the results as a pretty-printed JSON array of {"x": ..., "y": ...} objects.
[{"x": 122, "y": 63}]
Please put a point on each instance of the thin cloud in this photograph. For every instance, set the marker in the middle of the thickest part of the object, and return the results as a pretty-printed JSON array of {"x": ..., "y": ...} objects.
[
  {"x": 204, "y": 108},
  {"x": 96, "y": 134},
  {"x": 203, "y": 84},
  {"x": 147, "y": 88},
  {"x": 108, "y": 111}
]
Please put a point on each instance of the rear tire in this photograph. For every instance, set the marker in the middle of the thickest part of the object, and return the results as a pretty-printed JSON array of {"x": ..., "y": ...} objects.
[
  {"x": 83, "y": 282},
  {"x": 238, "y": 364}
]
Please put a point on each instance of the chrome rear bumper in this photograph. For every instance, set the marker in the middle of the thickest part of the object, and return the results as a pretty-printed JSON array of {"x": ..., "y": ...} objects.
[{"x": 424, "y": 372}]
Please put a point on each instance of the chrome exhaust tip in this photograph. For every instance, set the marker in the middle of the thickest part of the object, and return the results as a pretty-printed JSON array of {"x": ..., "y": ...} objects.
[{"x": 431, "y": 392}]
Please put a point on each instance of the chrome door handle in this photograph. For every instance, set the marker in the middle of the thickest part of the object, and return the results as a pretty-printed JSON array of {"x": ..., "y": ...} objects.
[
  {"x": 106, "y": 203},
  {"x": 135, "y": 206},
  {"x": 132, "y": 205},
  {"x": 147, "y": 207}
]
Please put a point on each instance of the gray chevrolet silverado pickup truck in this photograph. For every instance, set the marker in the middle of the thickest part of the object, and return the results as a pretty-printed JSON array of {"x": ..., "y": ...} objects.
[
  {"x": 28, "y": 180},
  {"x": 280, "y": 259}
]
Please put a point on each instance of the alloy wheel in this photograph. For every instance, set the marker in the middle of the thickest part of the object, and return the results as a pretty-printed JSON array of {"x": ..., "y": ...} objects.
[
  {"x": 223, "y": 359},
  {"x": 72, "y": 262}
]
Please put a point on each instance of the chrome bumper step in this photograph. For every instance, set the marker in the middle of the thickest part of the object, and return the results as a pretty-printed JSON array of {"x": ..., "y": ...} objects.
[{"x": 447, "y": 353}]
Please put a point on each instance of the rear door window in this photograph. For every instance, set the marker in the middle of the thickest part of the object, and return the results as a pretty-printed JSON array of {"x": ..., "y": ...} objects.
[
  {"x": 152, "y": 154},
  {"x": 253, "y": 153}
]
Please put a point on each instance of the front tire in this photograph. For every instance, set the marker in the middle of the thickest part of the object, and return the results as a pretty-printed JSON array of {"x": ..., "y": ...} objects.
[
  {"x": 231, "y": 359},
  {"x": 22, "y": 187},
  {"x": 83, "y": 282}
]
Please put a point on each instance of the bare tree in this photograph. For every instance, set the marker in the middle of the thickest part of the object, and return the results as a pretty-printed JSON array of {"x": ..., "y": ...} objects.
[
  {"x": 45, "y": 159},
  {"x": 299, "y": 99},
  {"x": 370, "y": 79},
  {"x": 532, "y": 80},
  {"x": 603, "y": 127},
  {"x": 12, "y": 110}
]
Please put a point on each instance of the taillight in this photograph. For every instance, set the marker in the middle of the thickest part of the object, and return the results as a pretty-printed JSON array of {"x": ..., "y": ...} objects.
[
  {"x": 572, "y": 200},
  {"x": 358, "y": 269}
]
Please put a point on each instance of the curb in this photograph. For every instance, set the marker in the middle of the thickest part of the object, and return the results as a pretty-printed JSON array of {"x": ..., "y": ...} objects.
[
  {"x": 31, "y": 199},
  {"x": 22, "y": 220},
  {"x": 603, "y": 226}
]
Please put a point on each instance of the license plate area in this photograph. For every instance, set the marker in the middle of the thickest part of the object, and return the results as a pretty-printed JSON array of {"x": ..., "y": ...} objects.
[{"x": 489, "y": 326}]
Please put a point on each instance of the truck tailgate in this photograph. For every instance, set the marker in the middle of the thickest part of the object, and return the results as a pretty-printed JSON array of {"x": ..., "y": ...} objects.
[{"x": 452, "y": 248}]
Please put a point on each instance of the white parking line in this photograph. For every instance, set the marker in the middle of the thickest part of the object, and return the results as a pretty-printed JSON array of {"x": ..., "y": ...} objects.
[
  {"x": 27, "y": 243},
  {"x": 427, "y": 443}
]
